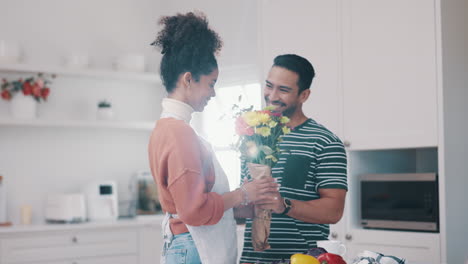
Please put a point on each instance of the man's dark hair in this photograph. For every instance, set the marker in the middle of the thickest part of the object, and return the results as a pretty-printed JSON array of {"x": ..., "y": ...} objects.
[
  {"x": 187, "y": 45},
  {"x": 299, "y": 65}
]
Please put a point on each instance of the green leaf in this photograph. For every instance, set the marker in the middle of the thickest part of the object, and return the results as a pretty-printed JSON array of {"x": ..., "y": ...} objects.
[
  {"x": 271, "y": 157},
  {"x": 266, "y": 149}
]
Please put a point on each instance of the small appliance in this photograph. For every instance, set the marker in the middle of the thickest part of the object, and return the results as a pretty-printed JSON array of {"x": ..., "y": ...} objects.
[
  {"x": 101, "y": 201},
  {"x": 402, "y": 201},
  {"x": 148, "y": 199},
  {"x": 65, "y": 208},
  {"x": 128, "y": 198}
]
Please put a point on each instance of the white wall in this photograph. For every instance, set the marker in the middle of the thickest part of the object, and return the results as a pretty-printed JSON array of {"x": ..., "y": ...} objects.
[
  {"x": 47, "y": 30},
  {"x": 236, "y": 23}
]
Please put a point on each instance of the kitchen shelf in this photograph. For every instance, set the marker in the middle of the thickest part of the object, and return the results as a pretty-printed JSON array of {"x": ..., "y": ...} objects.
[
  {"x": 90, "y": 73},
  {"x": 134, "y": 125}
]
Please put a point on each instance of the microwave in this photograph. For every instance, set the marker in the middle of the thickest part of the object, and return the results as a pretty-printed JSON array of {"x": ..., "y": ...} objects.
[{"x": 402, "y": 201}]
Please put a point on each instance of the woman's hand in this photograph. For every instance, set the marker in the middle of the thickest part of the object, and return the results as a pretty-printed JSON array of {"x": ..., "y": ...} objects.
[
  {"x": 276, "y": 204},
  {"x": 261, "y": 189}
]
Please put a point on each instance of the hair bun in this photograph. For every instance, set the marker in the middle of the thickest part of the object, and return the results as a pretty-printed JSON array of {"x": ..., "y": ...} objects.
[{"x": 189, "y": 29}]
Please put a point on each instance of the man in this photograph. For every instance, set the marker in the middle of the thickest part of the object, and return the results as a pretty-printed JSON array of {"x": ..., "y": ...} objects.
[{"x": 311, "y": 169}]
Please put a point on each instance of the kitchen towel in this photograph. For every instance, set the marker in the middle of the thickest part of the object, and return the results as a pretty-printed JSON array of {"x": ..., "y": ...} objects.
[{"x": 370, "y": 257}]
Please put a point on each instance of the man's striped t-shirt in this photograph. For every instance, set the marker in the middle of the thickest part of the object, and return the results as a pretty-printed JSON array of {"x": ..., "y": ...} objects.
[{"x": 311, "y": 158}]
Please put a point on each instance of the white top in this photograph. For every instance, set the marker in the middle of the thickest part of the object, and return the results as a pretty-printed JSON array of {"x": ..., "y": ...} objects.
[
  {"x": 176, "y": 109},
  {"x": 215, "y": 243}
]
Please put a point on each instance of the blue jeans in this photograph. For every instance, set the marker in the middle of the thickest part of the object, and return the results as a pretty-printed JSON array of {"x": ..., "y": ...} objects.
[{"x": 182, "y": 250}]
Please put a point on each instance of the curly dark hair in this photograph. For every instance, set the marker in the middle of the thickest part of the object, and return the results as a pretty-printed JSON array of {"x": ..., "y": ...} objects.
[
  {"x": 299, "y": 65},
  {"x": 188, "y": 45}
]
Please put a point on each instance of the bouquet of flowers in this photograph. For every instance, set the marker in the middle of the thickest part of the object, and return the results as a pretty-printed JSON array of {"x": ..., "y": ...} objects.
[
  {"x": 36, "y": 86},
  {"x": 259, "y": 134}
]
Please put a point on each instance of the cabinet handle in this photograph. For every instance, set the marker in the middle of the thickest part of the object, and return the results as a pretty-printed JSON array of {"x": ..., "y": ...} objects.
[
  {"x": 346, "y": 143},
  {"x": 334, "y": 235},
  {"x": 75, "y": 240},
  {"x": 348, "y": 237}
]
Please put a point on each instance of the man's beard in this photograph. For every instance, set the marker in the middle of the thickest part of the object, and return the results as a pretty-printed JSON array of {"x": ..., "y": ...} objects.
[{"x": 289, "y": 111}]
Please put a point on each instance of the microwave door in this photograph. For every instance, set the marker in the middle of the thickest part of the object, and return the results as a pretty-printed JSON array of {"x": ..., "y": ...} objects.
[{"x": 394, "y": 202}]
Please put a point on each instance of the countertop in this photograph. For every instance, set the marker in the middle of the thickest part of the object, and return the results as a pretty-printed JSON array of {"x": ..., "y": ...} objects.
[{"x": 153, "y": 220}]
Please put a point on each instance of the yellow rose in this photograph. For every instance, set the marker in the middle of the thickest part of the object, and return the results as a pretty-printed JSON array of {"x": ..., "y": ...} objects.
[
  {"x": 286, "y": 130},
  {"x": 251, "y": 118},
  {"x": 284, "y": 120},
  {"x": 264, "y": 131},
  {"x": 272, "y": 124},
  {"x": 264, "y": 118}
]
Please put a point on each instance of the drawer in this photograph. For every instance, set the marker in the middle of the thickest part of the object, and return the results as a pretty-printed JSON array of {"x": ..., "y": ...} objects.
[
  {"x": 132, "y": 259},
  {"x": 71, "y": 245}
]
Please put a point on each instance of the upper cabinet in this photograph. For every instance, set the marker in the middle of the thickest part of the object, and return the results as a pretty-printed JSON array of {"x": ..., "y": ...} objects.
[
  {"x": 375, "y": 63},
  {"x": 389, "y": 74},
  {"x": 309, "y": 28}
]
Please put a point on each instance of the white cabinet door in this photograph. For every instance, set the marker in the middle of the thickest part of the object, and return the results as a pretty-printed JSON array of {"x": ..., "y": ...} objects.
[
  {"x": 311, "y": 29},
  {"x": 131, "y": 259},
  {"x": 55, "y": 246},
  {"x": 415, "y": 247},
  {"x": 389, "y": 74},
  {"x": 150, "y": 244},
  {"x": 108, "y": 260}
]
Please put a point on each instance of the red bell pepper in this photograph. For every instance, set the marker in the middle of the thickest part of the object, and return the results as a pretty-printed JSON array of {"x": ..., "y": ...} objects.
[{"x": 330, "y": 258}]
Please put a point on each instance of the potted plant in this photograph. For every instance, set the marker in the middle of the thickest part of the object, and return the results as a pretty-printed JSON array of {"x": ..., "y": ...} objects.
[
  {"x": 24, "y": 94},
  {"x": 104, "y": 111}
]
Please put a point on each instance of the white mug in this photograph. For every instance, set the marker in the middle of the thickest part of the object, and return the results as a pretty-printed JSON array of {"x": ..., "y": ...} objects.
[{"x": 332, "y": 246}]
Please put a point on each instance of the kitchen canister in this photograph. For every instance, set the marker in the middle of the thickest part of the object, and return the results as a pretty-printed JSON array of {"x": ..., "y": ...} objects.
[
  {"x": 10, "y": 52},
  {"x": 26, "y": 214},
  {"x": 23, "y": 107}
]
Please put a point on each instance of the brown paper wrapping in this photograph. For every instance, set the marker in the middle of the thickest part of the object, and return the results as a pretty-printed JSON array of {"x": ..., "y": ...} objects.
[{"x": 262, "y": 218}]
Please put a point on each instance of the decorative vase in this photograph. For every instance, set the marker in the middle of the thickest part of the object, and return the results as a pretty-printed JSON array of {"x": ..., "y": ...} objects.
[
  {"x": 105, "y": 113},
  {"x": 23, "y": 107},
  {"x": 262, "y": 220}
]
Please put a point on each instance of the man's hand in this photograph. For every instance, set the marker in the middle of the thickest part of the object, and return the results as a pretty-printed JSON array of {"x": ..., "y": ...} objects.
[
  {"x": 275, "y": 203},
  {"x": 328, "y": 209}
]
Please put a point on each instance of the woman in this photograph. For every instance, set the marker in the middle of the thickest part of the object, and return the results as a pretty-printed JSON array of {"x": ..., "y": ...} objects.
[{"x": 194, "y": 192}]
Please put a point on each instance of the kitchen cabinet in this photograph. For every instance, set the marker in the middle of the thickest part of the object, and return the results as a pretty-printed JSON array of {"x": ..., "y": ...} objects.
[
  {"x": 416, "y": 247},
  {"x": 422, "y": 248},
  {"x": 128, "y": 242},
  {"x": 99, "y": 260},
  {"x": 376, "y": 81},
  {"x": 310, "y": 28},
  {"x": 404, "y": 87},
  {"x": 389, "y": 74},
  {"x": 80, "y": 245},
  {"x": 378, "y": 63}
]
